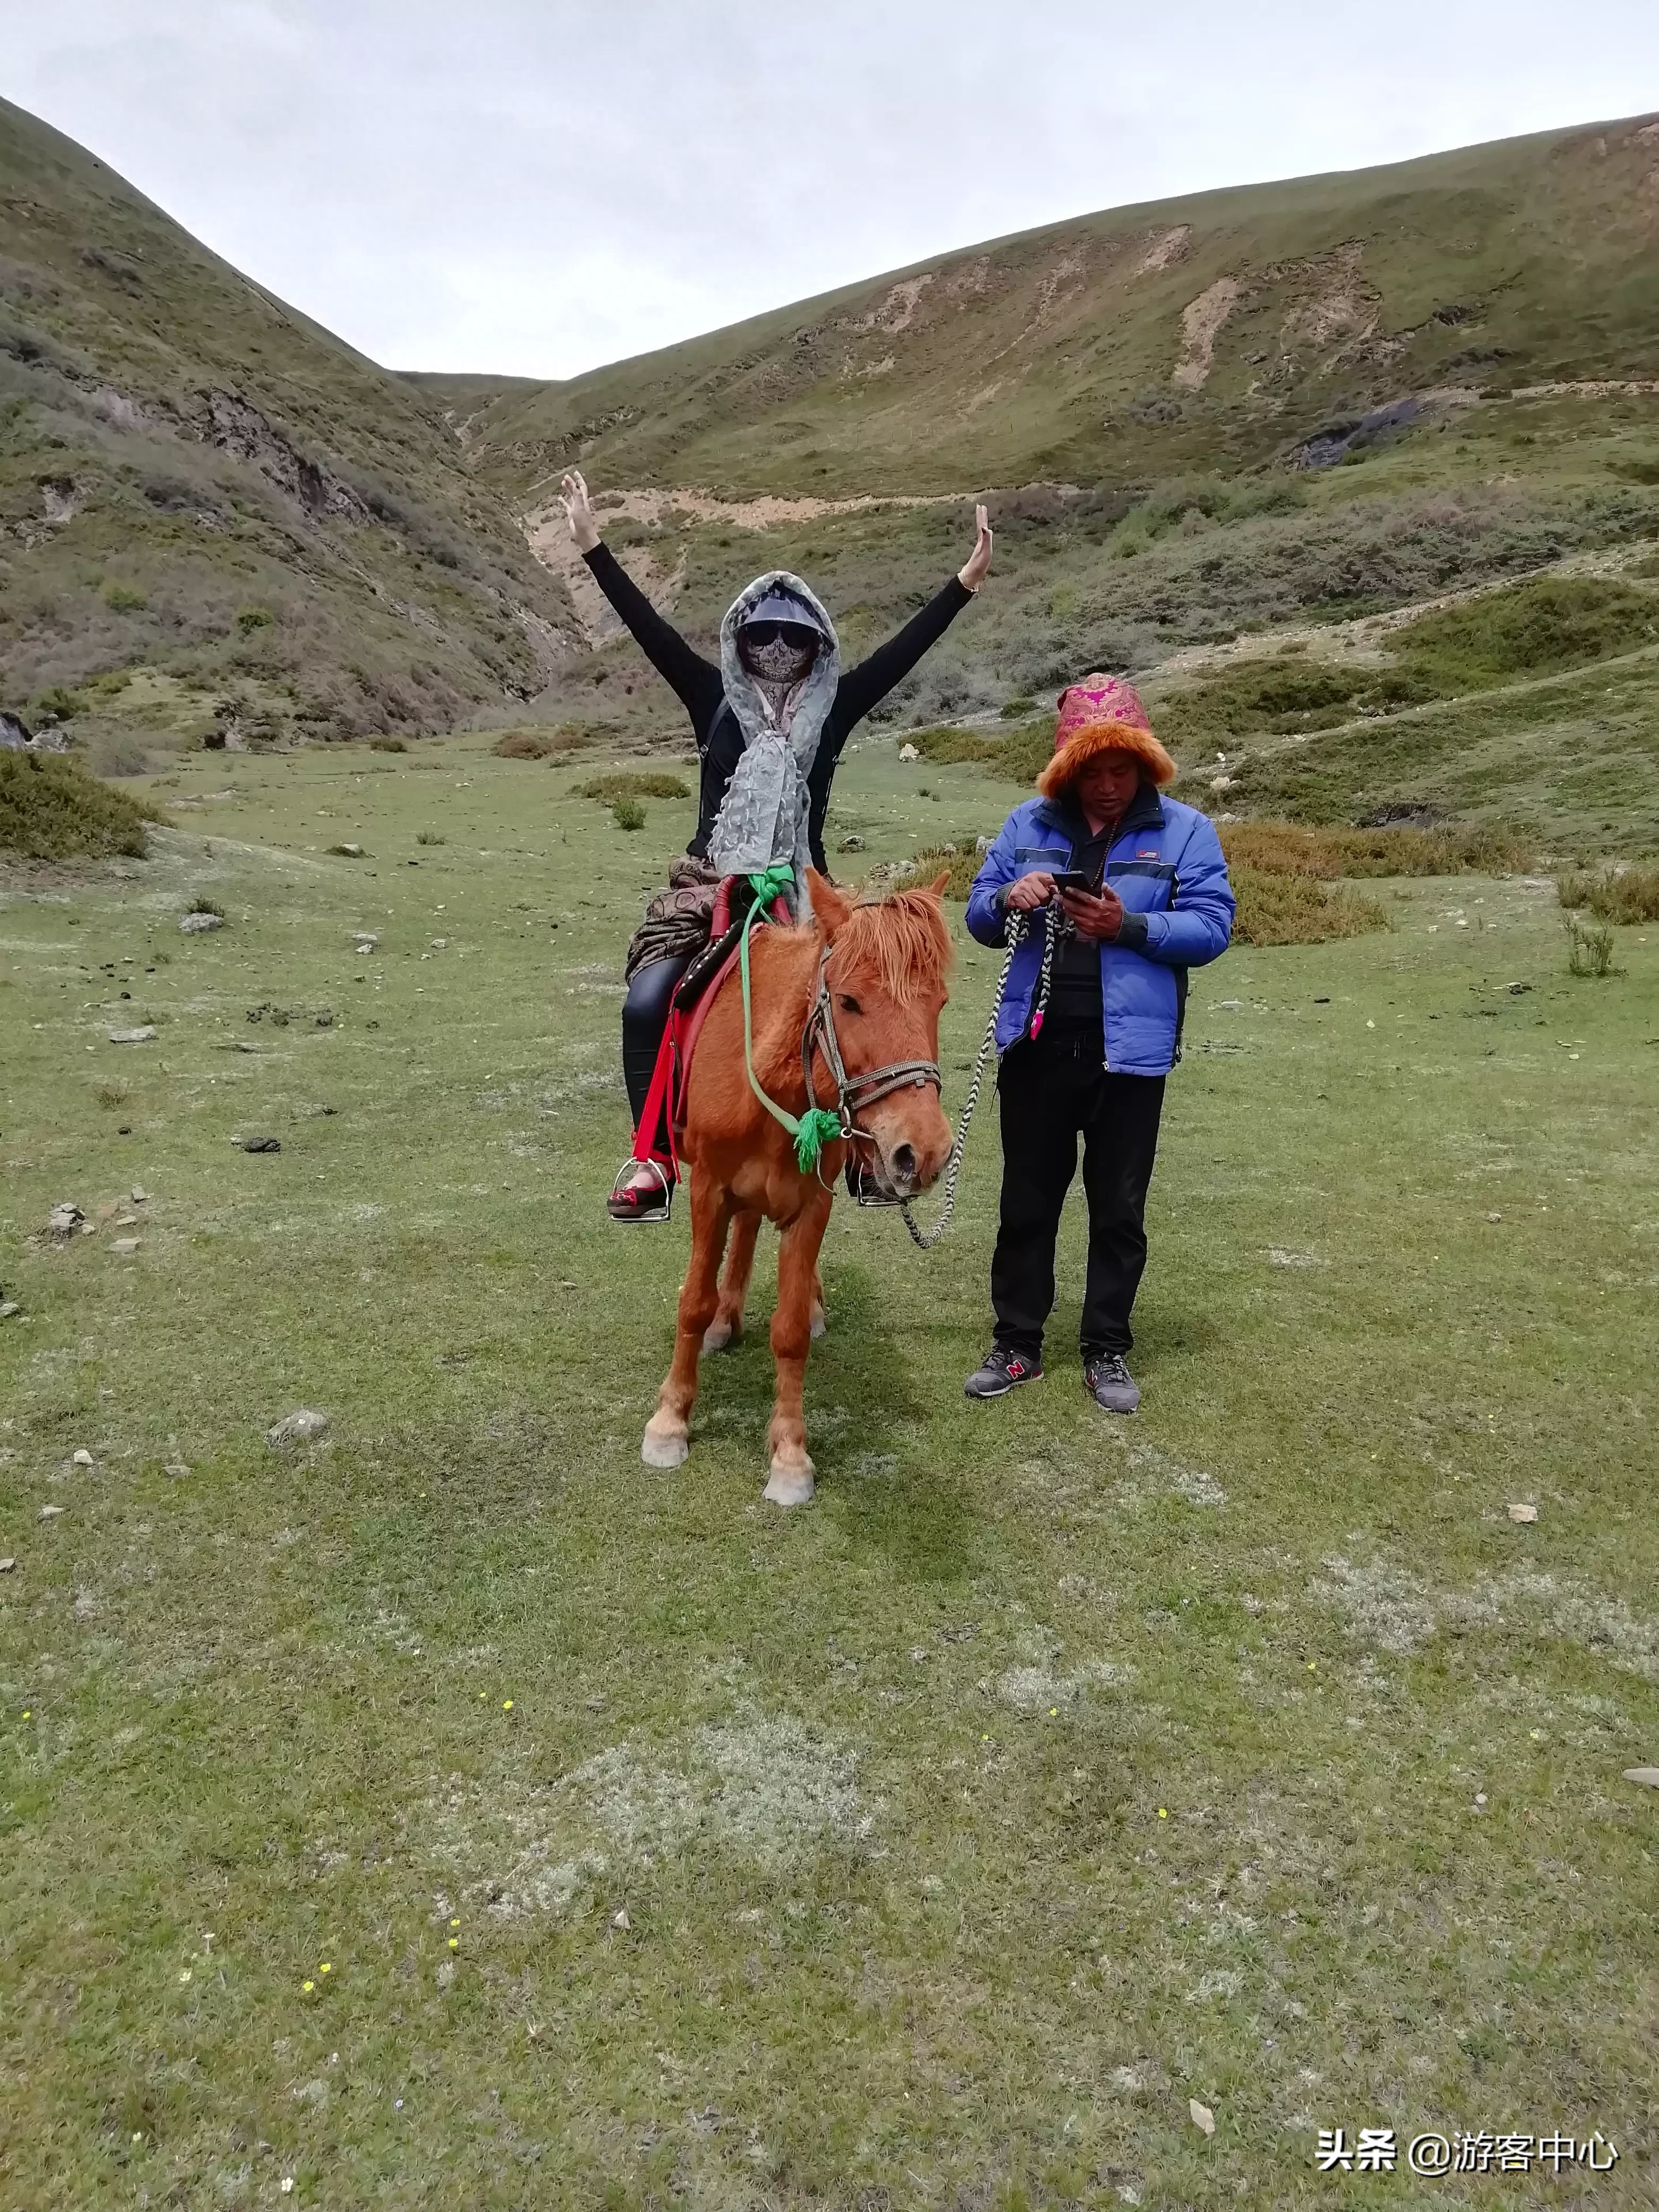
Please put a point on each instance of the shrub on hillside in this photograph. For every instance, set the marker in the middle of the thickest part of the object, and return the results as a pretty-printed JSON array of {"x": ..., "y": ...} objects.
[
  {"x": 1284, "y": 910},
  {"x": 1528, "y": 629},
  {"x": 51, "y": 810},
  {"x": 1290, "y": 849},
  {"x": 633, "y": 783},
  {"x": 1630, "y": 895},
  {"x": 1019, "y": 757},
  {"x": 542, "y": 745}
]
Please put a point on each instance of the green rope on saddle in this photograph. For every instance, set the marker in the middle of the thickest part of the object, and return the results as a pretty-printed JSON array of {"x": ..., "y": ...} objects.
[{"x": 818, "y": 1126}]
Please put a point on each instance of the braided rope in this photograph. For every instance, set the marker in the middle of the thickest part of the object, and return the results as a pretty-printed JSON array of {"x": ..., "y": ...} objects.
[{"x": 1017, "y": 925}]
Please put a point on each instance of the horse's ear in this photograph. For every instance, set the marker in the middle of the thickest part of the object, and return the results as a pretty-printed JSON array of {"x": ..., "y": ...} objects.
[
  {"x": 936, "y": 889},
  {"x": 830, "y": 906}
]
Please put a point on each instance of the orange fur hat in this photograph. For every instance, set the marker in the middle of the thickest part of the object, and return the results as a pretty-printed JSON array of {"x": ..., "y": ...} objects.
[{"x": 1101, "y": 714}]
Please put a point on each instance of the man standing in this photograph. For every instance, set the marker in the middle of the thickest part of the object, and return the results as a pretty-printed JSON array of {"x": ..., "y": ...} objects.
[{"x": 1143, "y": 897}]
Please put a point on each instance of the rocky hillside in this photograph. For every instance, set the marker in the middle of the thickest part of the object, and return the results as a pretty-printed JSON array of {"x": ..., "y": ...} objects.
[
  {"x": 1215, "y": 332},
  {"x": 215, "y": 514}
]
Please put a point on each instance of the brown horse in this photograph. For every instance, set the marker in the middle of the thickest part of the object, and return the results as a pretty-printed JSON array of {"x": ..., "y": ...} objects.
[{"x": 883, "y": 967}]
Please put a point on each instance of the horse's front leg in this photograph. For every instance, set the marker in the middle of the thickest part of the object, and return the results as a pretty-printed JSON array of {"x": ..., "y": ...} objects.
[
  {"x": 667, "y": 1430},
  {"x": 727, "y": 1324},
  {"x": 791, "y": 1478}
]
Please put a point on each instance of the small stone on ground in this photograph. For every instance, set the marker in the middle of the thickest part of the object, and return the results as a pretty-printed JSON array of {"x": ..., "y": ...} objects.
[
  {"x": 301, "y": 1427},
  {"x": 193, "y": 924},
  {"x": 132, "y": 1036}
]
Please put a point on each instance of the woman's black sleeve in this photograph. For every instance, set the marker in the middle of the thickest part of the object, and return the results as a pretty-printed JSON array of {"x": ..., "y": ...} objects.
[
  {"x": 866, "y": 686},
  {"x": 696, "y": 680}
]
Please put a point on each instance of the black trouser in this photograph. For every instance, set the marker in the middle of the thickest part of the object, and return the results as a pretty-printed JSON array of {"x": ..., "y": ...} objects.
[
  {"x": 1051, "y": 1090},
  {"x": 645, "y": 1017}
]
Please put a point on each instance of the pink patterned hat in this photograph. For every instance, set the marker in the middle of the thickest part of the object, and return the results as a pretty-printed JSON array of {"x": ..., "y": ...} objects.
[{"x": 1101, "y": 714}]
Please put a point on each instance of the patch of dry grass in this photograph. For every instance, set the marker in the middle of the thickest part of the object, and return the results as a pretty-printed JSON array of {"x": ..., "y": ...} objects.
[
  {"x": 1276, "y": 908},
  {"x": 1623, "y": 895},
  {"x": 1290, "y": 848}
]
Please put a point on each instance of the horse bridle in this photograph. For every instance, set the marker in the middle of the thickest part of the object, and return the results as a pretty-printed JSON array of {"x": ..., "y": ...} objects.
[{"x": 855, "y": 1092}]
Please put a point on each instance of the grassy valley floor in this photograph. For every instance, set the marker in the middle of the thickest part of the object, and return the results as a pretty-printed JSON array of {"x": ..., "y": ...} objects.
[{"x": 450, "y": 1811}]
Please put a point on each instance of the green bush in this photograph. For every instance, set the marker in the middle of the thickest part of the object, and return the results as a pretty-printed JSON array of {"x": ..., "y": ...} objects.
[
  {"x": 1527, "y": 630},
  {"x": 1018, "y": 758},
  {"x": 248, "y": 619},
  {"x": 51, "y": 810},
  {"x": 60, "y": 704},
  {"x": 629, "y": 814},
  {"x": 1589, "y": 947},
  {"x": 387, "y": 745},
  {"x": 126, "y": 599},
  {"x": 634, "y": 784}
]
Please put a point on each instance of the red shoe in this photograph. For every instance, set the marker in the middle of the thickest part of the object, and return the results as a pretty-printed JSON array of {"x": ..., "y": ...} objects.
[{"x": 643, "y": 1191}]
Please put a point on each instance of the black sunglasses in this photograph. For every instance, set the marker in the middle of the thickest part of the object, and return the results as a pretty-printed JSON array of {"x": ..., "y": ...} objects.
[{"x": 772, "y": 633}]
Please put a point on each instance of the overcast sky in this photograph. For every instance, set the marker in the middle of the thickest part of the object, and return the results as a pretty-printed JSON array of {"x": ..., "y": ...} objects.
[{"x": 537, "y": 186}]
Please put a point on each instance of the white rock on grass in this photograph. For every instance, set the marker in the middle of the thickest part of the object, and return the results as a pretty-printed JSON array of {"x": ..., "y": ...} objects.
[
  {"x": 301, "y": 1427},
  {"x": 909, "y": 753},
  {"x": 50, "y": 1512},
  {"x": 65, "y": 1218},
  {"x": 193, "y": 924},
  {"x": 82, "y": 1458},
  {"x": 124, "y": 1246},
  {"x": 6, "y": 1565},
  {"x": 8, "y": 1308},
  {"x": 132, "y": 1036}
]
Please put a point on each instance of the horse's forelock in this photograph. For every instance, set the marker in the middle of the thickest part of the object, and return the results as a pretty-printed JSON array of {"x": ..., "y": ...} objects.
[{"x": 900, "y": 943}]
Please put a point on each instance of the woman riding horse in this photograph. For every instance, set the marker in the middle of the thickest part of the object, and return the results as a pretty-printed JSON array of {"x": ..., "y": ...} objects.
[{"x": 770, "y": 722}]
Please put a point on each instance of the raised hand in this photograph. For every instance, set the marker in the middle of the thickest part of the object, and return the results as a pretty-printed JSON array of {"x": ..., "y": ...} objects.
[
  {"x": 578, "y": 511},
  {"x": 972, "y": 573}
]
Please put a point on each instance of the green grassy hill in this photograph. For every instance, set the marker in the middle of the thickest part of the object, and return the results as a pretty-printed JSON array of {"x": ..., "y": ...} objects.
[
  {"x": 1212, "y": 331},
  {"x": 199, "y": 485}
]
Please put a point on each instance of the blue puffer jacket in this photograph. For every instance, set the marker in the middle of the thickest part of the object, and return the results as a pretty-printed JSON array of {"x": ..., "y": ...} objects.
[{"x": 1166, "y": 866}]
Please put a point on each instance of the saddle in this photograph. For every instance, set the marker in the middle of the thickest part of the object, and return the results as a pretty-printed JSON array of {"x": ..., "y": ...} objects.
[{"x": 698, "y": 990}]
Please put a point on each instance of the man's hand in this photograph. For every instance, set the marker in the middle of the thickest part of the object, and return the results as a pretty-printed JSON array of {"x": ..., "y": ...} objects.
[
  {"x": 972, "y": 573},
  {"x": 1029, "y": 892},
  {"x": 578, "y": 511},
  {"x": 1100, "y": 918}
]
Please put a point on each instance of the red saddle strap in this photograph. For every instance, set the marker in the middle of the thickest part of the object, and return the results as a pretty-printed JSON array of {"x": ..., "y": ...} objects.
[{"x": 672, "y": 1072}]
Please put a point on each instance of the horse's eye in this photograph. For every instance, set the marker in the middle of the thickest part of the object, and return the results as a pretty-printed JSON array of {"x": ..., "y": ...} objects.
[{"x": 850, "y": 1006}]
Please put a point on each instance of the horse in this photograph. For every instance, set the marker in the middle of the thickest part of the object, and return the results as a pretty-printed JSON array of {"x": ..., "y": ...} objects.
[{"x": 850, "y": 1000}]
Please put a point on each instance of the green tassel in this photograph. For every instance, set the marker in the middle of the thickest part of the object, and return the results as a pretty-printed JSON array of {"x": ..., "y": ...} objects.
[
  {"x": 776, "y": 882},
  {"x": 818, "y": 1128}
]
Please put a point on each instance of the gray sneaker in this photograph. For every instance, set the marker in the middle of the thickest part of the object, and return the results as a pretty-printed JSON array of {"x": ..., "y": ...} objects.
[
  {"x": 1003, "y": 1370},
  {"x": 1110, "y": 1383}
]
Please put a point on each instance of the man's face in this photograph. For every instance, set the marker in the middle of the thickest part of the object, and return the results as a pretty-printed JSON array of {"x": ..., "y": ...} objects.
[{"x": 1105, "y": 788}]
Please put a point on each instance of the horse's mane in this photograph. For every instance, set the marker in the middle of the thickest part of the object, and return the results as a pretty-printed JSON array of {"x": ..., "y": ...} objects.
[{"x": 901, "y": 943}]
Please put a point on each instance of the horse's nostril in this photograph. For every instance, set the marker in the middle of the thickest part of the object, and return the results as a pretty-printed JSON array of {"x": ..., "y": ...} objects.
[{"x": 904, "y": 1160}]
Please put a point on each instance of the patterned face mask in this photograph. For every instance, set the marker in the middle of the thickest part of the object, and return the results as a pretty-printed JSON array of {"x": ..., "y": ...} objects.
[{"x": 778, "y": 653}]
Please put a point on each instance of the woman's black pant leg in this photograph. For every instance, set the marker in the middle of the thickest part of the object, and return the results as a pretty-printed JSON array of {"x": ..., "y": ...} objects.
[{"x": 645, "y": 1017}]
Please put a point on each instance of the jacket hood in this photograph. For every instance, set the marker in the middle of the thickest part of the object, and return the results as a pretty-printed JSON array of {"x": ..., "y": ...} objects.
[{"x": 764, "y": 817}]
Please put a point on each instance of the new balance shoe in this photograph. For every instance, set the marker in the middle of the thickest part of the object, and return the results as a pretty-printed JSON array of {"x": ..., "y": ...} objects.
[
  {"x": 1002, "y": 1371},
  {"x": 1110, "y": 1383}
]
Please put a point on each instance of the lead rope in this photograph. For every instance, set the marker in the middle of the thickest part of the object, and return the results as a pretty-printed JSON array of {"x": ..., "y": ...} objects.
[{"x": 1018, "y": 926}]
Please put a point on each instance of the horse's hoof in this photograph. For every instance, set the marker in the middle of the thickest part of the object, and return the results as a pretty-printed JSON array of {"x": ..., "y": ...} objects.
[
  {"x": 791, "y": 1483},
  {"x": 820, "y": 1323},
  {"x": 719, "y": 1334},
  {"x": 664, "y": 1447}
]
